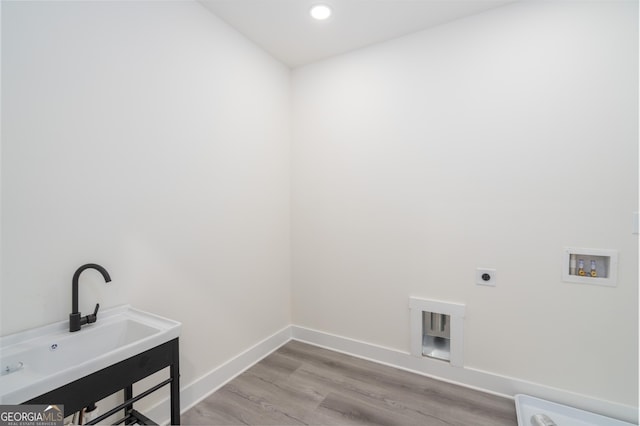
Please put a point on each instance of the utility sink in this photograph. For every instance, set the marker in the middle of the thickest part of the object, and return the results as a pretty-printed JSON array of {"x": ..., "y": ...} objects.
[{"x": 39, "y": 360}]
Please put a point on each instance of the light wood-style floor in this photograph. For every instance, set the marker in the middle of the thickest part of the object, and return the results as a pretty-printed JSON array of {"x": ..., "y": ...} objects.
[{"x": 300, "y": 384}]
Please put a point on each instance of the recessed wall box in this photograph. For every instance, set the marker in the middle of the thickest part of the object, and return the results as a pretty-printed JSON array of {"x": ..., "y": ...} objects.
[
  {"x": 436, "y": 335},
  {"x": 590, "y": 266},
  {"x": 436, "y": 330}
]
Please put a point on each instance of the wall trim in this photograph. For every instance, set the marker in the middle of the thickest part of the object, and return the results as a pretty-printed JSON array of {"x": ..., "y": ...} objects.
[
  {"x": 202, "y": 387},
  {"x": 468, "y": 377},
  {"x": 472, "y": 378},
  {"x": 456, "y": 312}
]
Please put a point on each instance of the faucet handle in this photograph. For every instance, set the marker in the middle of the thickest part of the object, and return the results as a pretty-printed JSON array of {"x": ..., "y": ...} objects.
[{"x": 91, "y": 318}]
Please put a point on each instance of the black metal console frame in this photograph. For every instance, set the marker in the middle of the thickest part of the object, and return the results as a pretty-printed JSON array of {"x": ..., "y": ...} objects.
[{"x": 121, "y": 376}]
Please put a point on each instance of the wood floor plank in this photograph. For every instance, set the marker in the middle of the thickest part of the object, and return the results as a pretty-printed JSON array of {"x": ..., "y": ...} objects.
[
  {"x": 353, "y": 410},
  {"x": 305, "y": 384},
  {"x": 430, "y": 394},
  {"x": 393, "y": 402},
  {"x": 211, "y": 411},
  {"x": 278, "y": 394},
  {"x": 420, "y": 405},
  {"x": 245, "y": 407}
]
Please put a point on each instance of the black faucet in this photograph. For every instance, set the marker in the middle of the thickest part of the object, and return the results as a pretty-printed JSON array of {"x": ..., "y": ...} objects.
[{"x": 75, "y": 320}]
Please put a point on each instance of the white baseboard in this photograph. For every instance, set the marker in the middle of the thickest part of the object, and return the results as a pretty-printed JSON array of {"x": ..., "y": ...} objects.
[
  {"x": 496, "y": 384},
  {"x": 464, "y": 376},
  {"x": 199, "y": 389}
]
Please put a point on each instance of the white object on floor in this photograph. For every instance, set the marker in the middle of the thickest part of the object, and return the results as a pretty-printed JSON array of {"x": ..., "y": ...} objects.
[{"x": 528, "y": 406}]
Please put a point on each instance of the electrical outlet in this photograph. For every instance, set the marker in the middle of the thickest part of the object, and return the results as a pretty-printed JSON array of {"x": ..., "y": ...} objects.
[{"x": 486, "y": 276}]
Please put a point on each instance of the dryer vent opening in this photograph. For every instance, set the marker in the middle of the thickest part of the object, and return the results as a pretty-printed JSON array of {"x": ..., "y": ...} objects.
[
  {"x": 436, "y": 335},
  {"x": 436, "y": 330}
]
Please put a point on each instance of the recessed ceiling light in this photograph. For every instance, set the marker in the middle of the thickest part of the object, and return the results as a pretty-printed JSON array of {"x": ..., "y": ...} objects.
[{"x": 320, "y": 12}]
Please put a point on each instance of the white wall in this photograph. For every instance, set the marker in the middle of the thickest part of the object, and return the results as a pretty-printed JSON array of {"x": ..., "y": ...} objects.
[
  {"x": 493, "y": 141},
  {"x": 150, "y": 138}
]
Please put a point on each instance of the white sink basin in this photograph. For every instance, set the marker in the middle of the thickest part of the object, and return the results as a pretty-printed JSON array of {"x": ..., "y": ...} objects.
[{"x": 36, "y": 361}]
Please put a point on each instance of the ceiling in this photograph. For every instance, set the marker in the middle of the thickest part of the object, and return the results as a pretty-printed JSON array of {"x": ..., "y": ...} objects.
[{"x": 285, "y": 29}]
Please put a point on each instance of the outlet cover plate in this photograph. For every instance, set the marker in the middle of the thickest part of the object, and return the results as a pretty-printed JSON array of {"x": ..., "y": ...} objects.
[{"x": 486, "y": 276}]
